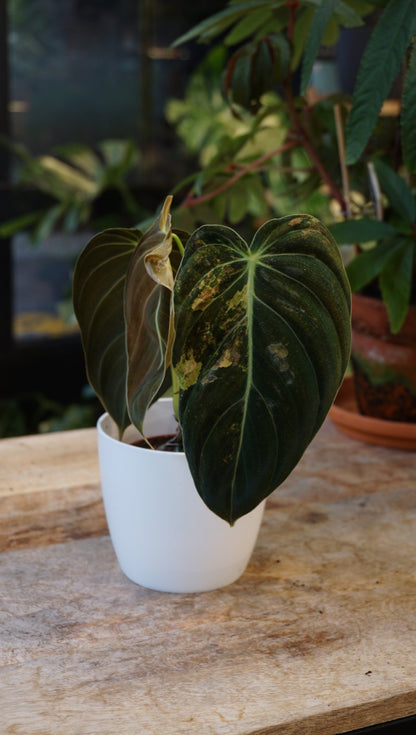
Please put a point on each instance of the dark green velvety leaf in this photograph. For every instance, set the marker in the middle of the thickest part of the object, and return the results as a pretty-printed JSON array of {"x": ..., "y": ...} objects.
[
  {"x": 98, "y": 289},
  {"x": 397, "y": 191},
  {"x": 409, "y": 114},
  {"x": 396, "y": 283},
  {"x": 262, "y": 343},
  {"x": 378, "y": 69},
  {"x": 360, "y": 230}
]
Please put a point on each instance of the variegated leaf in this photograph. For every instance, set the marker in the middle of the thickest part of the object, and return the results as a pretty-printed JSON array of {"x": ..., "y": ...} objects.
[{"x": 262, "y": 343}]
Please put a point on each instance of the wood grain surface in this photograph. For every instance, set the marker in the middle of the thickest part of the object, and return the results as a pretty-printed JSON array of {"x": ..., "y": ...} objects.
[
  {"x": 318, "y": 637},
  {"x": 49, "y": 489}
]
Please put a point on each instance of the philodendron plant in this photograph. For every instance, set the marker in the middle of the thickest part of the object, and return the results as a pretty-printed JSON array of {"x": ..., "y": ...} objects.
[{"x": 256, "y": 337}]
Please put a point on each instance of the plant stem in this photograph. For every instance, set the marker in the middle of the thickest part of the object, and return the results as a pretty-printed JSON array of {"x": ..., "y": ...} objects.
[
  {"x": 293, "y": 5},
  {"x": 191, "y": 201},
  {"x": 342, "y": 160},
  {"x": 178, "y": 242},
  {"x": 303, "y": 139},
  {"x": 175, "y": 392}
]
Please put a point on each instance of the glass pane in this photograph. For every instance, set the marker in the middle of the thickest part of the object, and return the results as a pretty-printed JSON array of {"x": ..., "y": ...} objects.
[
  {"x": 42, "y": 285},
  {"x": 85, "y": 71}
]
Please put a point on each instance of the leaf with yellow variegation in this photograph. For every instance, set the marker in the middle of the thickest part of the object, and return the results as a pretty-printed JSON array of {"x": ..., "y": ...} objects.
[{"x": 262, "y": 343}]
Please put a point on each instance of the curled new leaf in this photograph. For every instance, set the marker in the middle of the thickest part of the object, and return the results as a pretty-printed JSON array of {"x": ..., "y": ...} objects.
[
  {"x": 148, "y": 313},
  {"x": 262, "y": 343}
]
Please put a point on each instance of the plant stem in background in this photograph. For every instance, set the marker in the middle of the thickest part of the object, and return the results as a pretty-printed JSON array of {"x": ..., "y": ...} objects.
[
  {"x": 303, "y": 139},
  {"x": 343, "y": 165},
  {"x": 175, "y": 392},
  {"x": 192, "y": 201},
  {"x": 375, "y": 190}
]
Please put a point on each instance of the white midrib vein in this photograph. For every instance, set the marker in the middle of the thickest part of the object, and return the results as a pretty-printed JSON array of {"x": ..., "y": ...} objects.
[{"x": 251, "y": 268}]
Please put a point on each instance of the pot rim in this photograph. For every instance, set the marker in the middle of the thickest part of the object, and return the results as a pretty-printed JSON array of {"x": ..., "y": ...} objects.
[{"x": 130, "y": 447}]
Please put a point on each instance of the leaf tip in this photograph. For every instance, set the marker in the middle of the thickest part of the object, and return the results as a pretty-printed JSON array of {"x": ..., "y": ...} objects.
[{"x": 165, "y": 216}]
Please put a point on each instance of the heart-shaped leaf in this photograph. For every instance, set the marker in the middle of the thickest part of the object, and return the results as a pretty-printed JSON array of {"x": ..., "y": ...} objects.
[
  {"x": 123, "y": 284},
  {"x": 262, "y": 343},
  {"x": 98, "y": 295}
]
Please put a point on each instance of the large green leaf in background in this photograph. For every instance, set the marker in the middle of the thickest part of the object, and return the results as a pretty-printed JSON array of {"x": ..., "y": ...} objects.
[
  {"x": 408, "y": 114},
  {"x": 378, "y": 69},
  {"x": 396, "y": 282},
  {"x": 98, "y": 295},
  {"x": 397, "y": 191},
  {"x": 216, "y": 24},
  {"x": 262, "y": 343},
  {"x": 314, "y": 40}
]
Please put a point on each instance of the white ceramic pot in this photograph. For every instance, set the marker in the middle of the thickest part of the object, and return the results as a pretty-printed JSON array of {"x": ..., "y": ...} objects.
[{"x": 164, "y": 536}]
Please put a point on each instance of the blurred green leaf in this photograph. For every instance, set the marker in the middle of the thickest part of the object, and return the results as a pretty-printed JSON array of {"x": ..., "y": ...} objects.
[
  {"x": 257, "y": 204},
  {"x": 396, "y": 283},
  {"x": 320, "y": 21},
  {"x": 248, "y": 25},
  {"x": 68, "y": 176},
  {"x": 19, "y": 224},
  {"x": 301, "y": 34},
  {"x": 82, "y": 157},
  {"x": 72, "y": 217},
  {"x": 238, "y": 199},
  {"x": 350, "y": 13},
  {"x": 396, "y": 190},
  {"x": 47, "y": 222},
  {"x": 216, "y": 24},
  {"x": 356, "y": 231},
  {"x": 378, "y": 69},
  {"x": 408, "y": 114},
  {"x": 368, "y": 265}
]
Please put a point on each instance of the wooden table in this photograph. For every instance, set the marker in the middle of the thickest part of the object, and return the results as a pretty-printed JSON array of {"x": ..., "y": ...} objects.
[{"x": 318, "y": 636}]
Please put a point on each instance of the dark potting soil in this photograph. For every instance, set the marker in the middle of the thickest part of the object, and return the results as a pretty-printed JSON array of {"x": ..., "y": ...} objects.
[{"x": 165, "y": 443}]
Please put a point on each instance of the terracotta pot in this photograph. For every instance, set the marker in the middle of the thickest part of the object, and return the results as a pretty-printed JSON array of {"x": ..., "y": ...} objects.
[
  {"x": 384, "y": 363},
  {"x": 346, "y": 417}
]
